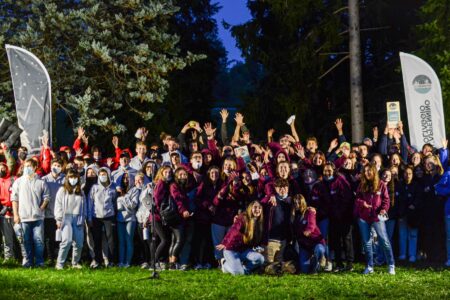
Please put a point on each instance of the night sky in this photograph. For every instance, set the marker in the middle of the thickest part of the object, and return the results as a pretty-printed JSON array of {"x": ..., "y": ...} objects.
[{"x": 233, "y": 12}]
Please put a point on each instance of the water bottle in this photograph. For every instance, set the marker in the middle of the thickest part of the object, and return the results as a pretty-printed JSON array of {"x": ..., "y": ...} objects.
[
  {"x": 146, "y": 233},
  {"x": 58, "y": 235}
]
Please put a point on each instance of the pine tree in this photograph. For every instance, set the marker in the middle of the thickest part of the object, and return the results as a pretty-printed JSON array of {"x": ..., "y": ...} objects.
[
  {"x": 109, "y": 61},
  {"x": 435, "y": 45}
]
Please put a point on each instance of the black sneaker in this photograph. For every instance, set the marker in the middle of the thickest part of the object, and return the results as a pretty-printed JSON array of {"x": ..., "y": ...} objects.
[
  {"x": 348, "y": 267},
  {"x": 172, "y": 266}
]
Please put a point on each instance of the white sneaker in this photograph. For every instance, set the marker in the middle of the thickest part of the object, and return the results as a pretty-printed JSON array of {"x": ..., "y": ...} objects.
[
  {"x": 222, "y": 264},
  {"x": 198, "y": 267},
  {"x": 59, "y": 267},
  {"x": 94, "y": 264},
  {"x": 368, "y": 270},
  {"x": 145, "y": 266},
  {"x": 328, "y": 267},
  {"x": 77, "y": 266},
  {"x": 391, "y": 270}
]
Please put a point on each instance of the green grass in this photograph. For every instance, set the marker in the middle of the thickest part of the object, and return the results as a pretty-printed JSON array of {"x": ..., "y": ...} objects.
[{"x": 18, "y": 283}]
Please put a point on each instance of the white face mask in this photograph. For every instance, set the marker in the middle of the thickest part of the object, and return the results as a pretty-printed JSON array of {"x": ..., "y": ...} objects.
[
  {"x": 56, "y": 170},
  {"x": 197, "y": 164},
  {"x": 73, "y": 181},
  {"x": 255, "y": 176},
  {"x": 103, "y": 178},
  {"x": 28, "y": 171}
]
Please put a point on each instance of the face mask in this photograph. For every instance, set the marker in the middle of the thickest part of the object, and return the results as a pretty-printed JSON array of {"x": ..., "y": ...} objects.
[
  {"x": 169, "y": 178},
  {"x": 182, "y": 181},
  {"x": 28, "y": 171},
  {"x": 226, "y": 172},
  {"x": 23, "y": 155},
  {"x": 73, "y": 181},
  {"x": 197, "y": 165},
  {"x": 56, "y": 170},
  {"x": 255, "y": 176},
  {"x": 295, "y": 174},
  {"x": 2, "y": 174},
  {"x": 329, "y": 178},
  {"x": 69, "y": 156},
  {"x": 91, "y": 179},
  {"x": 103, "y": 178},
  {"x": 282, "y": 197}
]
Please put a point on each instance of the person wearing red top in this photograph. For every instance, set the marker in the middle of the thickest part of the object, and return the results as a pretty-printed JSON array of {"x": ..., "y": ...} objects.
[
  {"x": 239, "y": 243},
  {"x": 372, "y": 201},
  {"x": 307, "y": 233}
]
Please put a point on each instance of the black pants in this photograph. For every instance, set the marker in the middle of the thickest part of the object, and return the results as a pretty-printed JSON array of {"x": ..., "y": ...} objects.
[
  {"x": 164, "y": 233},
  {"x": 341, "y": 239},
  {"x": 51, "y": 246},
  {"x": 9, "y": 238},
  {"x": 109, "y": 225},
  {"x": 202, "y": 244},
  {"x": 145, "y": 246}
]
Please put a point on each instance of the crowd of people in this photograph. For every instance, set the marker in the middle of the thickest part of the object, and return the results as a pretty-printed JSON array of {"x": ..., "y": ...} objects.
[{"x": 201, "y": 200}]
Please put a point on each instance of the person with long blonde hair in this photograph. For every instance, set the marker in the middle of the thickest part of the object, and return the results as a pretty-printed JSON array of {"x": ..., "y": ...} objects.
[
  {"x": 242, "y": 239},
  {"x": 372, "y": 203}
]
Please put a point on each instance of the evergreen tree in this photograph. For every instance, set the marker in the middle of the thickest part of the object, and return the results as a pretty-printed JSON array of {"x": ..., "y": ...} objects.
[
  {"x": 435, "y": 45},
  {"x": 109, "y": 61}
]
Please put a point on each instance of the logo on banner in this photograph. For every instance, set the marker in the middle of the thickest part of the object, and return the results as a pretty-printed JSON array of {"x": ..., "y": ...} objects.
[{"x": 422, "y": 84}]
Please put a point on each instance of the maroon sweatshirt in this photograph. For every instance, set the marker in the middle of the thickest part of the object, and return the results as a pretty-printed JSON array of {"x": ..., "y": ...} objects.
[
  {"x": 379, "y": 201},
  {"x": 307, "y": 223}
]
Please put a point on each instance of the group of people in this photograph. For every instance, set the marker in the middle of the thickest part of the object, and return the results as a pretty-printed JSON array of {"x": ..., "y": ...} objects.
[{"x": 201, "y": 200}]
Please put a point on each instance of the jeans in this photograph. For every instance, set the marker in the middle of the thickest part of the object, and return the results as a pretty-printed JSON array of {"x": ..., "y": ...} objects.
[
  {"x": 407, "y": 238},
  {"x": 324, "y": 226},
  {"x": 126, "y": 242},
  {"x": 390, "y": 228},
  {"x": 218, "y": 233},
  {"x": 33, "y": 236},
  {"x": 240, "y": 263},
  {"x": 72, "y": 235},
  {"x": 447, "y": 223},
  {"x": 383, "y": 240},
  {"x": 307, "y": 264},
  {"x": 7, "y": 231}
]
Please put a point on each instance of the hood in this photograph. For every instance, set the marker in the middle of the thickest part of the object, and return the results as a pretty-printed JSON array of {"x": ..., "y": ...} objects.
[
  {"x": 7, "y": 169},
  {"x": 93, "y": 167},
  {"x": 285, "y": 154},
  {"x": 108, "y": 171},
  {"x": 154, "y": 165}
]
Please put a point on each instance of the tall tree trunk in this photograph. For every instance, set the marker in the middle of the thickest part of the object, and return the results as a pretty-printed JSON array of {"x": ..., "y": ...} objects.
[{"x": 356, "y": 95}]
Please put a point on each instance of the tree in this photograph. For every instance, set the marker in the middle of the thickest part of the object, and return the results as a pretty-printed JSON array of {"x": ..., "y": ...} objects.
[
  {"x": 190, "y": 96},
  {"x": 109, "y": 61},
  {"x": 434, "y": 36}
]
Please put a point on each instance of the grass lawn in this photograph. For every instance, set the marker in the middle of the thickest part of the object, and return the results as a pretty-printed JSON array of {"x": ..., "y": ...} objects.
[{"x": 409, "y": 283}]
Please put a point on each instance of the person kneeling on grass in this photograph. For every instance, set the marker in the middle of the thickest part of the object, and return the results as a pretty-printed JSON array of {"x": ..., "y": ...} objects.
[
  {"x": 310, "y": 241},
  {"x": 238, "y": 245},
  {"x": 70, "y": 213}
]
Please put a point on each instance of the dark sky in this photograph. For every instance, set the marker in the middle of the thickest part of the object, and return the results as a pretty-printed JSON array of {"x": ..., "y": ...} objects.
[{"x": 233, "y": 12}]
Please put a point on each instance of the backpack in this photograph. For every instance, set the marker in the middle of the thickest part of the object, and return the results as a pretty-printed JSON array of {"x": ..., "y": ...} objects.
[{"x": 169, "y": 212}]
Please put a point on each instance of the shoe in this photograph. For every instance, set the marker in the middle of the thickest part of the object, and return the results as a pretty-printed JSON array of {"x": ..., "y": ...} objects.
[
  {"x": 447, "y": 264},
  {"x": 198, "y": 267},
  {"x": 368, "y": 270},
  {"x": 412, "y": 259},
  {"x": 145, "y": 266},
  {"x": 348, "y": 267},
  {"x": 109, "y": 265},
  {"x": 172, "y": 266},
  {"x": 77, "y": 266},
  {"x": 391, "y": 270},
  {"x": 94, "y": 265},
  {"x": 59, "y": 267},
  {"x": 207, "y": 266},
  {"x": 162, "y": 266},
  {"x": 184, "y": 267},
  {"x": 328, "y": 267},
  {"x": 40, "y": 265},
  {"x": 222, "y": 264},
  {"x": 27, "y": 266},
  {"x": 338, "y": 268},
  {"x": 323, "y": 262},
  {"x": 402, "y": 257}
]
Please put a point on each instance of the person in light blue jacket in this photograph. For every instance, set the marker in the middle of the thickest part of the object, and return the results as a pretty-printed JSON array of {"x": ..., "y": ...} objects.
[
  {"x": 127, "y": 205},
  {"x": 70, "y": 214},
  {"x": 101, "y": 215}
]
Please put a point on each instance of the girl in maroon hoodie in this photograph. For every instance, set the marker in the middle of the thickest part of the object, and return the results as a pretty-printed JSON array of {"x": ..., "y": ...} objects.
[
  {"x": 244, "y": 236},
  {"x": 206, "y": 192},
  {"x": 307, "y": 233},
  {"x": 372, "y": 203}
]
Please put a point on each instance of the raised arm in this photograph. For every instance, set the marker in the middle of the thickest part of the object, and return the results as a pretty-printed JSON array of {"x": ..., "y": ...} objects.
[
  {"x": 223, "y": 128},
  {"x": 239, "y": 118}
]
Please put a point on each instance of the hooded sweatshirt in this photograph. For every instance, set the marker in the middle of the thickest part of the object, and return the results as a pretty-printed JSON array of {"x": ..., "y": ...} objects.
[
  {"x": 5, "y": 190},
  {"x": 53, "y": 184},
  {"x": 70, "y": 204},
  {"x": 127, "y": 205},
  {"x": 102, "y": 199}
]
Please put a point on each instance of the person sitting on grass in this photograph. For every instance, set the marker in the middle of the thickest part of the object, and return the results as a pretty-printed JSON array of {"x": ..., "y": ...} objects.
[
  {"x": 70, "y": 215},
  {"x": 309, "y": 238},
  {"x": 242, "y": 240}
]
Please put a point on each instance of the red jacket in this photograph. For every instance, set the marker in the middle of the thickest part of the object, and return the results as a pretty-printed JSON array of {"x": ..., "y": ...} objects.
[
  {"x": 341, "y": 199},
  {"x": 307, "y": 223},
  {"x": 5, "y": 190},
  {"x": 204, "y": 200},
  {"x": 379, "y": 201}
]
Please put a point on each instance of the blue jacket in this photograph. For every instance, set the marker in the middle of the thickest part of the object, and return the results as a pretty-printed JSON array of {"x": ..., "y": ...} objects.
[{"x": 442, "y": 188}]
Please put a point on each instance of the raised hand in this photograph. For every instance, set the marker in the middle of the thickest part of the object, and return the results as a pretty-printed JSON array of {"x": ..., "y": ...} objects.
[
  {"x": 375, "y": 132},
  {"x": 239, "y": 118},
  {"x": 144, "y": 134},
  {"x": 109, "y": 162},
  {"x": 115, "y": 141},
  {"x": 81, "y": 132},
  {"x": 339, "y": 124},
  {"x": 299, "y": 150},
  {"x": 209, "y": 130},
  {"x": 224, "y": 114},
  {"x": 79, "y": 152},
  {"x": 334, "y": 143}
]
